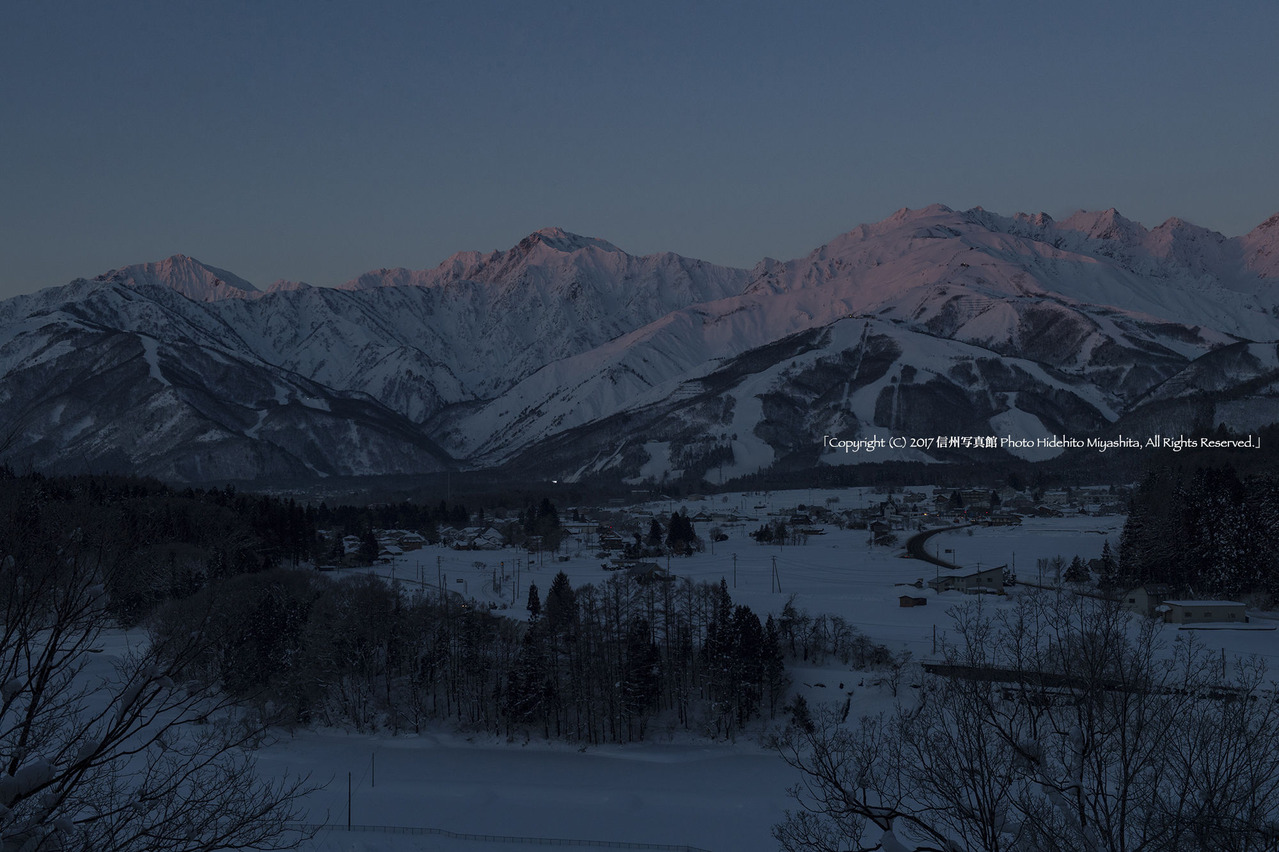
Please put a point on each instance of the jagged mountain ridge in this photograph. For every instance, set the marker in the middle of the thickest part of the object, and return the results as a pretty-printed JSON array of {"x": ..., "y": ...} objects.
[
  {"x": 193, "y": 279},
  {"x": 511, "y": 356},
  {"x": 969, "y": 277}
]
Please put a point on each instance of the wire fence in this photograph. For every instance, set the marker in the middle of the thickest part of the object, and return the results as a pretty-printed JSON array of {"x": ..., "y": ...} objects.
[{"x": 498, "y": 838}]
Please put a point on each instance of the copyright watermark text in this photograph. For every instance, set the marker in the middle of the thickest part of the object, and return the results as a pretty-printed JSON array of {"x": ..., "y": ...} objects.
[{"x": 1050, "y": 442}]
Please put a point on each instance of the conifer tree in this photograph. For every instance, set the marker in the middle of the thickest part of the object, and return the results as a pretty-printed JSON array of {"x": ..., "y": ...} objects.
[
  {"x": 1076, "y": 572},
  {"x": 775, "y": 679},
  {"x": 534, "y": 605},
  {"x": 368, "y": 546},
  {"x": 560, "y": 610},
  {"x": 654, "y": 533},
  {"x": 1108, "y": 568}
]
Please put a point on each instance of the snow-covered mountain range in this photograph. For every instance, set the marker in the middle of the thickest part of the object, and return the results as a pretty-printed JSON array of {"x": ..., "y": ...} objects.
[{"x": 566, "y": 357}]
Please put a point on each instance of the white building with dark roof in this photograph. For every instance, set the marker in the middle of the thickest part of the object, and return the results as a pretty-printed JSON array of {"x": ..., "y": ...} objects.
[{"x": 1203, "y": 612}]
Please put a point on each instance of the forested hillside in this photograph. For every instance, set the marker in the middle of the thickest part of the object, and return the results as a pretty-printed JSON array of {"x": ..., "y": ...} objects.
[
  {"x": 1203, "y": 531},
  {"x": 603, "y": 662},
  {"x": 592, "y": 664}
]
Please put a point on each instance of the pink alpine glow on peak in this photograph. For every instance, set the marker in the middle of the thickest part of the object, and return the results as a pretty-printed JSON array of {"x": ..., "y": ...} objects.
[{"x": 193, "y": 279}]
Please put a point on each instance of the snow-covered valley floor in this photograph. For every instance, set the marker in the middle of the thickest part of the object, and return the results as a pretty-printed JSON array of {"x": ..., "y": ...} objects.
[
  {"x": 710, "y": 795},
  {"x": 722, "y": 797}
]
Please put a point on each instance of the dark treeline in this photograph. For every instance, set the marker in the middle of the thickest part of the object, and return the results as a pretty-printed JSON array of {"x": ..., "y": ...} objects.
[
  {"x": 1204, "y": 531},
  {"x": 816, "y": 639},
  {"x": 597, "y": 663},
  {"x": 152, "y": 542},
  {"x": 158, "y": 542},
  {"x": 537, "y": 524},
  {"x": 603, "y": 662}
]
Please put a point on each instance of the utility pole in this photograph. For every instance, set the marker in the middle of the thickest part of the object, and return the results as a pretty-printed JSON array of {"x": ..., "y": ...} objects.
[{"x": 734, "y": 570}]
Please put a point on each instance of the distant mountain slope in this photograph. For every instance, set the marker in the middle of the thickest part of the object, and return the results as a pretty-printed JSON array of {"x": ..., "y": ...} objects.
[
  {"x": 968, "y": 277},
  {"x": 566, "y": 353},
  {"x": 193, "y": 279}
]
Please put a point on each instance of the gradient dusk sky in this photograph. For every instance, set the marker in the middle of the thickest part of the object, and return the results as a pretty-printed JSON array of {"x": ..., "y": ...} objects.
[{"x": 316, "y": 140}]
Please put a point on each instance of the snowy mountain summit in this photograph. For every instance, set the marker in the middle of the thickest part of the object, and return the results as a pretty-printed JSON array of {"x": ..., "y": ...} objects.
[
  {"x": 190, "y": 277},
  {"x": 566, "y": 357},
  {"x": 559, "y": 239}
]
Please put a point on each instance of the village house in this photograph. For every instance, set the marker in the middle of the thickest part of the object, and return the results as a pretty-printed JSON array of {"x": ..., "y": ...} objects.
[
  {"x": 585, "y": 530},
  {"x": 476, "y": 538},
  {"x": 1203, "y": 612},
  {"x": 986, "y": 581},
  {"x": 1018, "y": 503},
  {"x": 880, "y": 531},
  {"x": 889, "y": 511},
  {"x": 611, "y": 541},
  {"x": 411, "y": 541},
  {"x": 975, "y": 498},
  {"x": 1144, "y": 599},
  {"x": 648, "y": 572}
]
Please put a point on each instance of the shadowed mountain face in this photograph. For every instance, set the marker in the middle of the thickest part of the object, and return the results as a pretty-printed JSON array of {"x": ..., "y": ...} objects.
[{"x": 568, "y": 357}]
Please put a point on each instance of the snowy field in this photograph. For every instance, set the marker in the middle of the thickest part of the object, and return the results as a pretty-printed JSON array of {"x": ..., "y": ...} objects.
[
  {"x": 837, "y": 573},
  {"x": 713, "y": 796}
]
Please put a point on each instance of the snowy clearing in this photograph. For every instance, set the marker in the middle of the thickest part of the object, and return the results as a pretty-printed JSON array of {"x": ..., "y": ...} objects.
[{"x": 714, "y": 796}]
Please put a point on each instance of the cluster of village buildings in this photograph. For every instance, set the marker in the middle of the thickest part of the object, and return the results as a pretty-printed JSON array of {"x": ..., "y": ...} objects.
[{"x": 615, "y": 538}]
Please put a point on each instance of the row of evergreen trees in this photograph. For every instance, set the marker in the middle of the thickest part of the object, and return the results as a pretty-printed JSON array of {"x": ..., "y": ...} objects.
[
  {"x": 684, "y": 652},
  {"x": 599, "y": 663},
  {"x": 157, "y": 542},
  {"x": 403, "y": 515},
  {"x": 678, "y": 538},
  {"x": 1205, "y": 532},
  {"x": 152, "y": 542}
]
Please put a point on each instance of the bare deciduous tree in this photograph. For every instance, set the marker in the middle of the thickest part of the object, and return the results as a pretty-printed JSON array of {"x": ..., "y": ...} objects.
[
  {"x": 116, "y": 754},
  {"x": 1056, "y": 724}
]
